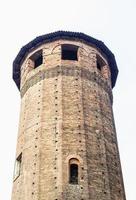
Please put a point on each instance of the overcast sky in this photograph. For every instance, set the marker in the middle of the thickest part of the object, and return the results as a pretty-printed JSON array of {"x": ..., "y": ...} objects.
[{"x": 113, "y": 22}]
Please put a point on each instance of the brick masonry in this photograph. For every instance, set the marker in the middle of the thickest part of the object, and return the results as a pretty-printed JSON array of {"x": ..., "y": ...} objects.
[{"x": 66, "y": 112}]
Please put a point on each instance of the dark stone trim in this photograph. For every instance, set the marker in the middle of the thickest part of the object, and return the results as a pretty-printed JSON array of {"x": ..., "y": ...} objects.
[
  {"x": 67, "y": 35},
  {"x": 67, "y": 71}
]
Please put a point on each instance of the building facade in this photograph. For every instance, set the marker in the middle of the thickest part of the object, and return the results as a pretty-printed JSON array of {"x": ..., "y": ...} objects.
[{"x": 67, "y": 146}]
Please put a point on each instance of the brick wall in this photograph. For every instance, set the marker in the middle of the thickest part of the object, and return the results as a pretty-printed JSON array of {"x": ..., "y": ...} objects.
[{"x": 66, "y": 112}]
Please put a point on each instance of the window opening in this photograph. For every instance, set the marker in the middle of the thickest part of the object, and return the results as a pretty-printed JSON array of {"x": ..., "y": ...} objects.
[
  {"x": 69, "y": 52},
  {"x": 17, "y": 168},
  {"x": 100, "y": 62},
  {"x": 37, "y": 58},
  {"x": 74, "y": 174}
]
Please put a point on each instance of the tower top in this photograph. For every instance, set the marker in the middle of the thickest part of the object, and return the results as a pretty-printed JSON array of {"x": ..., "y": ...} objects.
[{"x": 77, "y": 36}]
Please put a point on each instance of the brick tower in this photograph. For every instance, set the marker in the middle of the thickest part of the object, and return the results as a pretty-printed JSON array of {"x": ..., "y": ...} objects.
[{"x": 67, "y": 146}]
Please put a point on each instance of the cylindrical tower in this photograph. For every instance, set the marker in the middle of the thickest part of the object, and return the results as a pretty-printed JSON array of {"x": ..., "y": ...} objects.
[{"x": 67, "y": 146}]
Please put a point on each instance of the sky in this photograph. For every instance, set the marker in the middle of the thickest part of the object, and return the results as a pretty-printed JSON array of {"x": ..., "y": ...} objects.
[{"x": 113, "y": 22}]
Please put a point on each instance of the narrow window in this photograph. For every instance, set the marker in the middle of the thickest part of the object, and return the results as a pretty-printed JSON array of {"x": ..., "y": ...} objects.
[
  {"x": 17, "y": 166},
  {"x": 100, "y": 62},
  {"x": 74, "y": 174},
  {"x": 69, "y": 52},
  {"x": 37, "y": 58}
]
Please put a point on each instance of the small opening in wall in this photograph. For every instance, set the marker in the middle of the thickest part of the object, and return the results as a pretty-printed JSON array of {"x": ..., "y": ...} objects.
[
  {"x": 17, "y": 168},
  {"x": 37, "y": 58},
  {"x": 100, "y": 62},
  {"x": 73, "y": 174},
  {"x": 73, "y": 171},
  {"x": 69, "y": 52}
]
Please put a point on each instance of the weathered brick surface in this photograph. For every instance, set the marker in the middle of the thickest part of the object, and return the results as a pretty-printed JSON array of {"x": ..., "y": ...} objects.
[{"x": 66, "y": 112}]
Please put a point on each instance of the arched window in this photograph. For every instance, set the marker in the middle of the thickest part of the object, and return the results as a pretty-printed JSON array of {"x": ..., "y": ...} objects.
[
  {"x": 69, "y": 52},
  {"x": 73, "y": 171}
]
